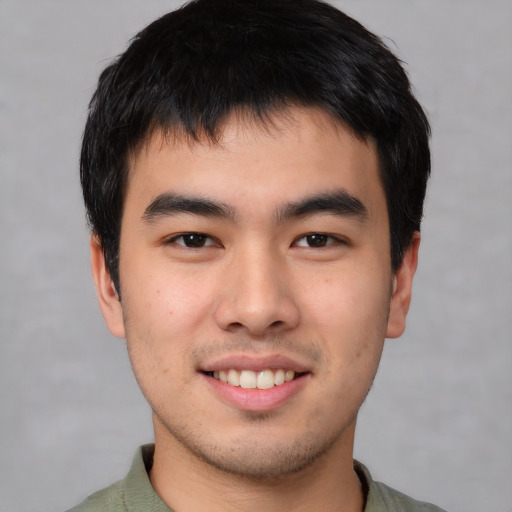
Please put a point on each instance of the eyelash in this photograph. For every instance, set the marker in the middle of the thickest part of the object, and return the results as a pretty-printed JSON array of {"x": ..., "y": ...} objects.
[{"x": 323, "y": 240}]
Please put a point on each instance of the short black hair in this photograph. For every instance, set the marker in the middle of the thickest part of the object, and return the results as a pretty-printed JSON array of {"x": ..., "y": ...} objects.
[{"x": 189, "y": 69}]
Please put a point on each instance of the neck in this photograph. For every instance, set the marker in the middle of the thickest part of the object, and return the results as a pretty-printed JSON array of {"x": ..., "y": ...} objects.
[{"x": 186, "y": 483}]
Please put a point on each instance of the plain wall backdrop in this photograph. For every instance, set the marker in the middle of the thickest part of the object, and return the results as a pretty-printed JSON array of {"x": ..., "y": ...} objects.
[{"x": 437, "y": 424}]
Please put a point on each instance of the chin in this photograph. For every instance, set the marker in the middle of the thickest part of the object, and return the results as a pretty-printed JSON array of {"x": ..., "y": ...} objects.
[{"x": 262, "y": 457}]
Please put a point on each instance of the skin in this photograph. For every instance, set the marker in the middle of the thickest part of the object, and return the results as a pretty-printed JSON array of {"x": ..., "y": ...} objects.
[{"x": 257, "y": 288}]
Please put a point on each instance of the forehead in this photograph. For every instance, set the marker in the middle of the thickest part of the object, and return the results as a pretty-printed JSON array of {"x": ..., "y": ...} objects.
[{"x": 291, "y": 153}]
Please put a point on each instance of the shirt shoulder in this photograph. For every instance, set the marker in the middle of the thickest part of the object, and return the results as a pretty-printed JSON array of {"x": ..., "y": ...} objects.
[
  {"x": 381, "y": 498},
  {"x": 110, "y": 499},
  {"x": 133, "y": 494},
  {"x": 387, "y": 499}
]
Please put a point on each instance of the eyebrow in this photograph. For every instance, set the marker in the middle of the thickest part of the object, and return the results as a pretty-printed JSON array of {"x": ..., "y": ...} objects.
[
  {"x": 169, "y": 204},
  {"x": 338, "y": 202}
]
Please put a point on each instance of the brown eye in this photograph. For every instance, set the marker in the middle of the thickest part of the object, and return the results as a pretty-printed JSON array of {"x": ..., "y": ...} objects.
[
  {"x": 192, "y": 240},
  {"x": 315, "y": 240}
]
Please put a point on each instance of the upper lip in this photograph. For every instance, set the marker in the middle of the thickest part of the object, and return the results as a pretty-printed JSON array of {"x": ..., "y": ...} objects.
[{"x": 256, "y": 363}]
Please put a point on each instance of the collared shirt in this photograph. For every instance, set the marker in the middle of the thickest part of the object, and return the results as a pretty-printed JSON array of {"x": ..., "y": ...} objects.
[{"x": 136, "y": 494}]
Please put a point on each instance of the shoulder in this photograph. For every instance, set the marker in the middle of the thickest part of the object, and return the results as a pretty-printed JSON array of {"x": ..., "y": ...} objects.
[
  {"x": 381, "y": 498},
  {"x": 110, "y": 499},
  {"x": 392, "y": 500},
  {"x": 133, "y": 493}
]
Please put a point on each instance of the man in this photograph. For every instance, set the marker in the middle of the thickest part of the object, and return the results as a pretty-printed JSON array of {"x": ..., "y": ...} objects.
[{"x": 254, "y": 174}]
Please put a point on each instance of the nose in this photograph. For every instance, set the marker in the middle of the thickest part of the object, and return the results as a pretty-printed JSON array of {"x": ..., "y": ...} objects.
[{"x": 256, "y": 296}]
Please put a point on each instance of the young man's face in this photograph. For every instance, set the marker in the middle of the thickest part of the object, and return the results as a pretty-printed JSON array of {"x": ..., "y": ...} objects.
[{"x": 262, "y": 259}]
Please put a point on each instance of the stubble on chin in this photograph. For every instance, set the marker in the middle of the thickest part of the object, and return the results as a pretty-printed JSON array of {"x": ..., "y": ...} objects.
[{"x": 263, "y": 462}]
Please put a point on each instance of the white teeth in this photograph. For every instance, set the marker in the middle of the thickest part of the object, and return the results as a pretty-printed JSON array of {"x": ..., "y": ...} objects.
[
  {"x": 248, "y": 379},
  {"x": 266, "y": 379},
  {"x": 279, "y": 377},
  {"x": 234, "y": 378}
]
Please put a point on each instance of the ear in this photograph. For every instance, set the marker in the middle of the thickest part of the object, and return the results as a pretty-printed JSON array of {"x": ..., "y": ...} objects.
[
  {"x": 402, "y": 289},
  {"x": 108, "y": 298}
]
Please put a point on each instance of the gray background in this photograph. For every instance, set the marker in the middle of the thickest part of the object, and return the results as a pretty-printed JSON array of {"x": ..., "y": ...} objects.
[{"x": 438, "y": 422}]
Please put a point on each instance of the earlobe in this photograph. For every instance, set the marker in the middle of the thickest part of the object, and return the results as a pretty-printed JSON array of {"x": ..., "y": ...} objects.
[
  {"x": 402, "y": 289},
  {"x": 106, "y": 292}
]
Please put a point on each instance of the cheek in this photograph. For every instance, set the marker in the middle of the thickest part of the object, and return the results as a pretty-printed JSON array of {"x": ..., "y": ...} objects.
[
  {"x": 164, "y": 317},
  {"x": 350, "y": 302},
  {"x": 158, "y": 349},
  {"x": 165, "y": 297},
  {"x": 348, "y": 314}
]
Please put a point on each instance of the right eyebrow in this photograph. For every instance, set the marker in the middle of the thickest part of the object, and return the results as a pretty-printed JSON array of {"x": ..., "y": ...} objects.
[
  {"x": 169, "y": 204},
  {"x": 336, "y": 202}
]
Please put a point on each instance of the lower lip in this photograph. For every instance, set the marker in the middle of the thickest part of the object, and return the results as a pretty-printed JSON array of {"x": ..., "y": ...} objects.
[{"x": 257, "y": 400}]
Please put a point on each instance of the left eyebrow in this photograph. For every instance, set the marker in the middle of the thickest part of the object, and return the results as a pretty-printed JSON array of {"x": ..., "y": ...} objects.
[
  {"x": 168, "y": 204},
  {"x": 339, "y": 202}
]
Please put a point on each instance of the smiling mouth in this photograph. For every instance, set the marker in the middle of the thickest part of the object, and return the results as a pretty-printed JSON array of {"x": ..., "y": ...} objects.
[{"x": 249, "y": 379}]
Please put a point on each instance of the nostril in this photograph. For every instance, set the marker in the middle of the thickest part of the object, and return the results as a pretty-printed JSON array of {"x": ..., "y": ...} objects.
[
  {"x": 235, "y": 326},
  {"x": 277, "y": 323}
]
